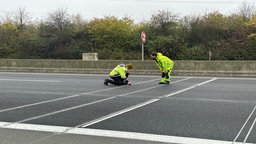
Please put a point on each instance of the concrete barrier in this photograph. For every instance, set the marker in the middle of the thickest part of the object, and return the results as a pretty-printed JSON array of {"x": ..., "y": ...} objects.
[{"x": 147, "y": 67}]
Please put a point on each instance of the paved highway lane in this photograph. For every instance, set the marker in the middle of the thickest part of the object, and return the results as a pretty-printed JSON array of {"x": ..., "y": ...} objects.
[{"x": 189, "y": 110}]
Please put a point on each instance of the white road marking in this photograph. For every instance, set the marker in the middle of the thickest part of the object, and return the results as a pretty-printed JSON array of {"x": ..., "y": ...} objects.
[
  {"x": 211, "y": 100},
  {"x": 73, "y": 74},
  {"x": 247, "y": 135},
  {"x": 66, "y": 109},
  {"x": 136, "y": 106},
  {"x": 234, "y": 141},
  {"x": 186, "y": 89},
  {"x": 127, "y": 109},
  {"x": 104, "y": 75},
  {"x": 118, "y": 113},
  {"x": 4, "y": 123},
  {"x": 213, "y": 79},
  {"x": 26, "y": 80},
  {"x": 67, "y": 97},
  {"x": 118, "y": 134},
  {"x": 38, "y": 103},
  {"x": 113, "y": 134},
  {"x": 63, "y": 110},
  {"x": 154, "y": 87},
  {"x": 35, "y": 92},
  {"x": 145, "y": 81}
]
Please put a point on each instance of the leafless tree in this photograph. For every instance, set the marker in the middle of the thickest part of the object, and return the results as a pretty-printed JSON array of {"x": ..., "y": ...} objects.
[
  {"x": 164, "y": 20},
  {"x": 247, "y": 10},
  {"x": 6, "y": 18},
  {"x": 21, "y": 18},
  {"x": 59, "y": 19}
]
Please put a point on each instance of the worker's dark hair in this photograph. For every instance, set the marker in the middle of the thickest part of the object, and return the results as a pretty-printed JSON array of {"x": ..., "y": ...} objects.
[{"x": 153, "y": 54}]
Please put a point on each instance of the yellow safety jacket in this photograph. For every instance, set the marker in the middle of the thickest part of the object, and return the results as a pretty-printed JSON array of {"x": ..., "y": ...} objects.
[
  {"x": 163, "y": 62},
  {"x": 119, "y": 70}
]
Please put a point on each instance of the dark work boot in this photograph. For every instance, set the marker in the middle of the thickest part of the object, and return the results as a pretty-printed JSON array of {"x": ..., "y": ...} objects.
[
  {"x": 126, "y": 82},
  {"x": 161, "y": 83},
  {"x": 106, "y": 82}
]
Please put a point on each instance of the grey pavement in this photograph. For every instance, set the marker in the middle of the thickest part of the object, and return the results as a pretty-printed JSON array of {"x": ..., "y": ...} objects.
[{"x": 45, "y": 108}]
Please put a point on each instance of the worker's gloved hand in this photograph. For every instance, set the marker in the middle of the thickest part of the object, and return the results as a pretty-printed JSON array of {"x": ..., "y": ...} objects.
[
  {"x": 129, "y": 71},
  {"x": 127, "y": 82}
]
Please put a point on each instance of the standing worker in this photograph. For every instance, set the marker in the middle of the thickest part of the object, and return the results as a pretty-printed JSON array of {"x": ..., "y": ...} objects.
[
  {"x": 119, "y": 75},
  {"x": 165, "y": 65}
]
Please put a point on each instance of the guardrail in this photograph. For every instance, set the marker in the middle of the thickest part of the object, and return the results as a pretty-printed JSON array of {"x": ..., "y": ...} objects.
[{"x": 147, "y": 67}]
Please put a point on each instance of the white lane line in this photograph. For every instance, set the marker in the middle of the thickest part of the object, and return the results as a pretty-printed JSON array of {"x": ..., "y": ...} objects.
[
  {"x": 127, "y": 109},
  {"x": 211, "y": 100},
  {"x": 237, "y": 78},
  {"x": 117, "y": 113},
  {"x": 234, "y": 141},
  {"x": 67, "y": 97},
  {"x": 113, "y": 134},
  {"x": 33, "y": 127},
  {"x": 249, "y": 131},
  {"x": 139, "y": 136},
  {"x": 38, "y": 103},
  {"x": 153, "y": 87},
  {"x": 124, "y": 110},
  {"x": 72, "y": 74},
  {"x": 71, "y": 108},
  {"x": 25, "y": 80},
  {"x": 145, "y": 81},
  {"x": 4, "y": 123},
  {"x": 35, "y": 92},
  {"x": 213, "y": 79},
  {"x": 63, "y": 110},
  {"x": 144, "y": 136},
  {"x": 186, "y": 89}
]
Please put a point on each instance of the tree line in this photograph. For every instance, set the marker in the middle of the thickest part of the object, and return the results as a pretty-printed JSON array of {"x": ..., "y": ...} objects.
[{"x": 212, "y": 36}]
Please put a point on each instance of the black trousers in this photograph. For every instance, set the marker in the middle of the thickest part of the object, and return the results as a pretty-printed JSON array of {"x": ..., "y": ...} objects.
[{"x": 117, "y": 80}]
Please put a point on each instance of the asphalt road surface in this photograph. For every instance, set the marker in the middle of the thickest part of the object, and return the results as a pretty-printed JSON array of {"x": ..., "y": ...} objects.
[{"x": 47, "y": 108}]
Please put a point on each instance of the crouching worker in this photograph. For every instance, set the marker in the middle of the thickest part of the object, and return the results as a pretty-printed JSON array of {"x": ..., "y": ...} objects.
[{"x": 119, "y": 75}]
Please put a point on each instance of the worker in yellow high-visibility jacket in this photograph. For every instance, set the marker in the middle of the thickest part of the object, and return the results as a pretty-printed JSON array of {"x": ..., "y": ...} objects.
[
  {"x": 119, "y": 75},
  {"x": 165, "y": 64}
]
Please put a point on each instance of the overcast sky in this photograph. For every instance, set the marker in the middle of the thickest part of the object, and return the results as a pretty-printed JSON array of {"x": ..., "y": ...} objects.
[{"x": 138, "y": 10}]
